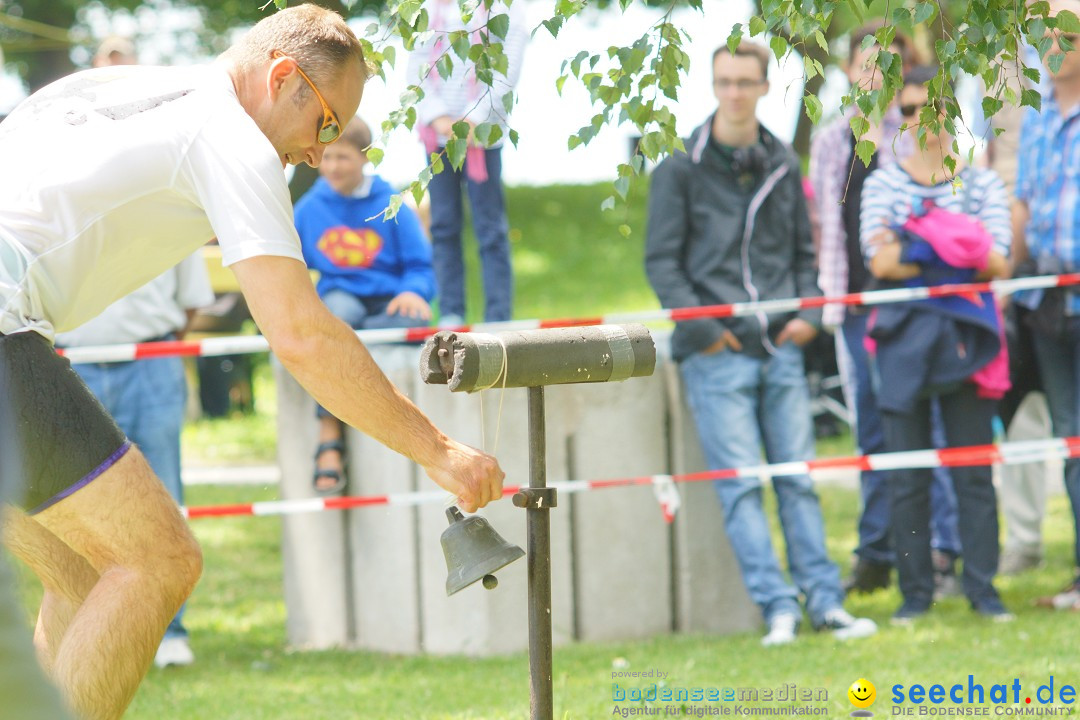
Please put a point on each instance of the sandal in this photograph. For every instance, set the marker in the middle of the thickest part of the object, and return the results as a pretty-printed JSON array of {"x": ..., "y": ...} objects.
[{"x": 337, "y": 476}]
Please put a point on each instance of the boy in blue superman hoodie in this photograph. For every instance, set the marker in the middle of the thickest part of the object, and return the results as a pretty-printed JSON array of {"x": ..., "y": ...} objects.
[{"x": 373, "y": 273}]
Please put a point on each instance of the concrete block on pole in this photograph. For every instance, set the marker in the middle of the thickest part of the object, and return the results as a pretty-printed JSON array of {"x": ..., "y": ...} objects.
[
  {"x": 622, "y": 547},
  {"x": 383, "y": 547},
  {"x": 313, "y": 544}
]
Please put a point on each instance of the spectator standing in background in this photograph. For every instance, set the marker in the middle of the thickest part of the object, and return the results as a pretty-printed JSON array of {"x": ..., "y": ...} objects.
[
  {"x": 838, "y": 176},
  {"x": 728, "y": 223},
  {"x": 463, "y": 97}
]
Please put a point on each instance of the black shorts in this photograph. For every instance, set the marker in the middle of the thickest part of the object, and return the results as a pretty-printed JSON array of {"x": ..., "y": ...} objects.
[{"x": 55, "y": 437}]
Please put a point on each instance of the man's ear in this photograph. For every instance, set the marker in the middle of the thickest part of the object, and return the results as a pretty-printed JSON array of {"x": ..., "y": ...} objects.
[{"x": 278, "y": 74}]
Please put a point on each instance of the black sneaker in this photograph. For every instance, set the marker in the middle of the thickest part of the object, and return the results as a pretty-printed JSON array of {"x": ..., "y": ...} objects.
[
  {"x": 868, "y": 576},
  {"x": 908, "y": 613},
  {"x": 993, "y": 610}
]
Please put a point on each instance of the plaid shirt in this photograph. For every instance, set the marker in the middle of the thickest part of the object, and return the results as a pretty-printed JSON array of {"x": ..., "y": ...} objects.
[
  {"x": 830, "y": 167},
  {"x": 1048, "y": 181}
]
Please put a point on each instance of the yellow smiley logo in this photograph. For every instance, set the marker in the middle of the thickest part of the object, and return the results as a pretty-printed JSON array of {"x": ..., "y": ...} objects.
[{"x": 862, "y": 693}]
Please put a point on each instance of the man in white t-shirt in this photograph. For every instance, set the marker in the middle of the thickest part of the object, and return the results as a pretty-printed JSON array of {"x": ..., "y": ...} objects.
[{"x": 92, "y": 163}]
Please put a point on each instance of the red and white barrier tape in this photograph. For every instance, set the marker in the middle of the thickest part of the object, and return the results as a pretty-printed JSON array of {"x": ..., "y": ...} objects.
[
  {"x": 247, "y": 344},
  {"x": 1016, "y": 453}
]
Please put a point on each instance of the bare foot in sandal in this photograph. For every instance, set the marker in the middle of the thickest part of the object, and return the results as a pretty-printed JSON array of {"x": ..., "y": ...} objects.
[{"x": 329, "y": 476}]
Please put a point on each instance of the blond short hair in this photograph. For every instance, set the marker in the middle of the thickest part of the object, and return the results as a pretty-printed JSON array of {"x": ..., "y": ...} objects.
[
  {"x": 316, "y": 38},
  {"x": 358, "y": 134}
]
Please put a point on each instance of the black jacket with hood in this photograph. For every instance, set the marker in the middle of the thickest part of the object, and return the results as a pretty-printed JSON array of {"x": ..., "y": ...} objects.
[{"x": 712, "y": 242}]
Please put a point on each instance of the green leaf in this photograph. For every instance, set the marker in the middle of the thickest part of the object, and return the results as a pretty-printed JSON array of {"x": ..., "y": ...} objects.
[
  {"x": 456, "y": 149},
  {"x": 459, "y": 40},
  {"x": 409, "y": 9},
  {"x": 513, "y": 135},
  {"x": 394, "y": 205},
  {"x": 436, "y": 163},
  {"x": 923, "y": 12},
  {"x": 1053, "y": 62},
  {"x": 1032, "y": 74},
  {"x": 553, "y": 25},
  {"x": 813, "y": 108},
  {"x": 950, "y": 164},
  {"x": 857, "y": 8},
  {"x": 375, "y": 155},
  {"x": 990, "y": 105},
  {"x": 757, "y": 27},
  {"x": 624, "y": 230},
  {"x": 461, "y": 129},
  {"x": 622, "y": 186},
  {"x": 779, "y": 46},
  {"x": 822, "y": 42},
  {"x": 1067, "y": 22},
  {"x": 508, "y": 102},
  {"x": 734, "y": 37},
  {"x": 499, "y": 25},
  {"x": 864, "y": 149},
  {"x": 859, "y": 125},
  {"x": 1031, "y": 98},
  {"x": 445, "y": 66},
  {"x": 281, "y": 4},
  {"x": 608, "y": 204}
]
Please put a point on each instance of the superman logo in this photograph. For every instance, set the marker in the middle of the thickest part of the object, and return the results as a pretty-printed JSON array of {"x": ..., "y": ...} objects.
[{"x": 351, "y": 247}]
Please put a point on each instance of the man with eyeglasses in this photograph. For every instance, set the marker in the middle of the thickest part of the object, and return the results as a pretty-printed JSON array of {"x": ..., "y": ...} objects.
[
  {"x": 112, "y": 176},
  {"x": 728, "y": 223},
  {"x": 1046, "y": 227}
]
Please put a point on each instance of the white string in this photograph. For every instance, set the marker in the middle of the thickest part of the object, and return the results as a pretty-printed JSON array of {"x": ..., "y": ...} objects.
[{"x": 498, "y": 419}]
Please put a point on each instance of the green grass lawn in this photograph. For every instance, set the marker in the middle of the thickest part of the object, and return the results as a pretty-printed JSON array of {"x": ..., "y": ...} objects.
[{"x": 246, "y": 672}]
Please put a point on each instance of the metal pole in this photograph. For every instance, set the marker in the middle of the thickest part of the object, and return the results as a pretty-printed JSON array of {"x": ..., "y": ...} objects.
[{"x": 538, "y": 523}]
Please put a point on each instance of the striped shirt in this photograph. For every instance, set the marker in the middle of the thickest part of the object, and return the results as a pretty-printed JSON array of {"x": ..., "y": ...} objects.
[
  {"x": 1048, "y": 180},
  {"x": 890, "y": 194},
  {"x": 830, "y": 171}
]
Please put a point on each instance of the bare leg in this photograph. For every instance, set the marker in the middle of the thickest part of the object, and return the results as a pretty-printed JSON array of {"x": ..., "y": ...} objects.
[
  {"x": 330, "y": 429},
  {"x": 66, "y": 576},
  {"x": 129, "y": 531}
]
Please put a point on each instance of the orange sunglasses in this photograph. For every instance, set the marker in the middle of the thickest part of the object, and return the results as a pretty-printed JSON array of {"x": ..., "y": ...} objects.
[{"x": 330, "y": 129}]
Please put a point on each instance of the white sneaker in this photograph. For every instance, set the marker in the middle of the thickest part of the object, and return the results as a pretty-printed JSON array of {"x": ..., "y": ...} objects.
[
  {"x": 782, "y": 629},
  {"x": 845, "y": 626},
  {"x": 174, "y": 651}
]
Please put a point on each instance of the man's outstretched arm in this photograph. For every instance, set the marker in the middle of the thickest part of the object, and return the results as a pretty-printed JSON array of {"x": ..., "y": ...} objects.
[{"x": 330, "y": 362}]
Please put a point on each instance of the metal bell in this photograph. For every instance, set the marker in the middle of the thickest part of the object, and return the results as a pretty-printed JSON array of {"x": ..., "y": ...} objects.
[{"x": 473, "y": 551}]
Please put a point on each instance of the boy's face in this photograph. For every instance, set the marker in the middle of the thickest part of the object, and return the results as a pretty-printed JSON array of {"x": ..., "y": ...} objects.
[
  {"x": 738, "y": 83},
  {"x": 343, "y": 167}
]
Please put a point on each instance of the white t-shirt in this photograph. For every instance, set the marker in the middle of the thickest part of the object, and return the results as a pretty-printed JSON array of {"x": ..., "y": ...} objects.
[
  {"x": 111, "y": 176},
  {"x": 157, "y": 308}
]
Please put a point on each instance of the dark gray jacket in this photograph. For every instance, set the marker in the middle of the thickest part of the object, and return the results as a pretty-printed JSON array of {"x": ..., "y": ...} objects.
[{"x": 709, "y": 242}]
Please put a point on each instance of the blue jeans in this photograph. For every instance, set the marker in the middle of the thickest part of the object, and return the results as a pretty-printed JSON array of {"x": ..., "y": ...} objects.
[
  {"x": 492, "y": 236},
  {"x": 146, "y": 398},
  {"x": 875, "y": 539},
  {"x": 741, "y": 403},
  {"x": 1059, "y": 365},
  {"x": 364, "y": 314}
]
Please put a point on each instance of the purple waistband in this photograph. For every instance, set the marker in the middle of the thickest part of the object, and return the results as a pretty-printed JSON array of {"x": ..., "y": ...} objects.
[{"x": 86, "y": 480}]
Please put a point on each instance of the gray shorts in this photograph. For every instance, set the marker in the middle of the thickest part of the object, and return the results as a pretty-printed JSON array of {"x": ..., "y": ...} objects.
[{"x": 55, "y": 437}]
